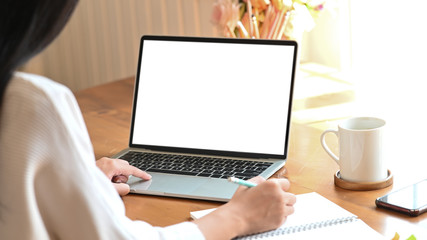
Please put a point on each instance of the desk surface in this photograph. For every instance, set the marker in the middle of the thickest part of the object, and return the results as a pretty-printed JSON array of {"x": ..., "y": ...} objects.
[{"x": 107, "y": 111}]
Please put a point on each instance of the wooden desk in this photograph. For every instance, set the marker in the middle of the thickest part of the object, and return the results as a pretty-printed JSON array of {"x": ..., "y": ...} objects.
[{"x": 107, "y": 111}]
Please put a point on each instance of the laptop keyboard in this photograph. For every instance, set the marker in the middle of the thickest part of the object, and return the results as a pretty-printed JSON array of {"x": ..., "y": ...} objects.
[{"x": 195, "y": 165}]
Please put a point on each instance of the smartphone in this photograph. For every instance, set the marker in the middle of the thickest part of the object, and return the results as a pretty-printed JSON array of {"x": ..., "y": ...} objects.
[{"x": 410, "y": 200}]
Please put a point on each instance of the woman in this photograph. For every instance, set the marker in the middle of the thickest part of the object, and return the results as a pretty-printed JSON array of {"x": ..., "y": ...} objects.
[{"x": 50, "y": 184}]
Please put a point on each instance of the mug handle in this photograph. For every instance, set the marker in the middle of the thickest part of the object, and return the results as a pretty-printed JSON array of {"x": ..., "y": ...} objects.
[{"x": 325, "y": 146}]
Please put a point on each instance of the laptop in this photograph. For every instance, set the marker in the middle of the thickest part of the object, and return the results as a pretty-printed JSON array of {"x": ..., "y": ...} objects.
[{"x": 206, "y": 109}]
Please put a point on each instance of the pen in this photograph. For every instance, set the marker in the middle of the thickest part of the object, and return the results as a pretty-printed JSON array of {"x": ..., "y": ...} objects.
[{"x": 241, "y": 182}]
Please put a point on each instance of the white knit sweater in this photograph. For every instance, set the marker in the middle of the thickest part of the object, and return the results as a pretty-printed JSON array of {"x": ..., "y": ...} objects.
[{"x": 50, "y": 187}]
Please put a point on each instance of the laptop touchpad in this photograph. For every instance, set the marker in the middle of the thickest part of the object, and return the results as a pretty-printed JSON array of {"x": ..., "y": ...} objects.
[{"x": 179, "y": 186}]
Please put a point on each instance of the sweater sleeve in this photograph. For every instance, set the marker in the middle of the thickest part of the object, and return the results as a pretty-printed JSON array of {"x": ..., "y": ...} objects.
[{"x": 62, "y": 186}]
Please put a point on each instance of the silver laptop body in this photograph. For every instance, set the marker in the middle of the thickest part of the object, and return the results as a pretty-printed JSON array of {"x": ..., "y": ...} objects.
[{"x": 210, "y": 97}]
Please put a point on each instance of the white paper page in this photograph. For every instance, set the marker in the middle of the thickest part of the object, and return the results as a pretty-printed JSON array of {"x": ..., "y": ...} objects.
[
  {"x": 312, "y": 208},
  {"x": 355, "y": 230},
  {"x": 201, "y": 213},
  {"x": 309, "y": 208}
]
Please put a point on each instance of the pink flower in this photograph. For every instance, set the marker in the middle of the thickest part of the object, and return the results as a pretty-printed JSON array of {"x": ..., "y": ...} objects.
[
  {"x": 259, "y": 4},
  {"x": 225, "y": 14},
  {"x": 271, "y": 19}
]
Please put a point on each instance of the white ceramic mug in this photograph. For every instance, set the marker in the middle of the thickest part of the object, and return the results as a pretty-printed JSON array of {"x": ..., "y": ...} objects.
[{"x": 360, "y": 149}]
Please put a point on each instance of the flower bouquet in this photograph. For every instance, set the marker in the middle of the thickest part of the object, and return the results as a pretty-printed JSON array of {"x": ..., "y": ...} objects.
[{"x": 266, "y": 19}]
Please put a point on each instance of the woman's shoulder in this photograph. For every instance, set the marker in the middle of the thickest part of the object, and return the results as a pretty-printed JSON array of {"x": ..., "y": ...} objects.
[
  {"x": 37, "y": 110},
  {"x": 33, "y": 85},
  {"x": 38, "y": 98}
]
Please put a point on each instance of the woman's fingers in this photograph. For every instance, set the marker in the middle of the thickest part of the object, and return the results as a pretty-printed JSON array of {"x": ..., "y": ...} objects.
[
  {"x": 122, "y": 188},
  {"x": 118, "y": 167},
  {"x": 126, "y": 169},
  {"x": 257, "y": 179},
  {"x": 120, "y": 179}
]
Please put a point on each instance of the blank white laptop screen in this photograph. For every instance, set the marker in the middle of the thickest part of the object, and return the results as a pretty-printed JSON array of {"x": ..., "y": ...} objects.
[{"x": 216, "y": 96}]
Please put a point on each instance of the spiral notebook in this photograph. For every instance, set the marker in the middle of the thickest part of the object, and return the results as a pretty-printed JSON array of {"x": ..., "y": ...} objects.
[{"x": 315, "y": 217}]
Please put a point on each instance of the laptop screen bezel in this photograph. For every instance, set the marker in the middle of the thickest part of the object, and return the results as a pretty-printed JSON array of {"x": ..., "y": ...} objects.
[{"x": 209, "y": 151}]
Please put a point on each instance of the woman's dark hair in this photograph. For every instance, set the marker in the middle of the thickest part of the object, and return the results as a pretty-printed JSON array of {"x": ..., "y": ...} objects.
[{"x": 26, "y": 28}]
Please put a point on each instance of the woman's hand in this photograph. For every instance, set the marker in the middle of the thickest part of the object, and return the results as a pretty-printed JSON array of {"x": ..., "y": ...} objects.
[
  {"x": 118, "y": 171},
  {"x": 251, "y": 210},
  {"x": 264, "y": 207}
]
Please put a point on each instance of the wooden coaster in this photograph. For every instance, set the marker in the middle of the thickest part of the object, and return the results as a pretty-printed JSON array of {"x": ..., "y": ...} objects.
[{"x": 362, "y": 186}]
